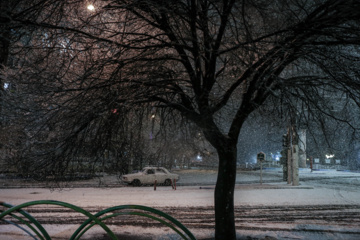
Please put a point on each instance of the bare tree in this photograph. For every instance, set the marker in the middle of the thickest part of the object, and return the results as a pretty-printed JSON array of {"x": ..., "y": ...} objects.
[
  {"x": 216, "y": 62},
  {"x": 6, "y": 37}
]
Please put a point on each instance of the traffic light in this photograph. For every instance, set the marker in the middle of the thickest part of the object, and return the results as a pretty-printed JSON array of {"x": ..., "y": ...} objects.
[
  {"x": 285, "y": 141},
  {"x": 283, "y": 158},
  {"x": 284, "y": 163}
]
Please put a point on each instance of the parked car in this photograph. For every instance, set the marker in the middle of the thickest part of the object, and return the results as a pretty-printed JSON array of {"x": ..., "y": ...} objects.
[{"x": 148, "y": 176}]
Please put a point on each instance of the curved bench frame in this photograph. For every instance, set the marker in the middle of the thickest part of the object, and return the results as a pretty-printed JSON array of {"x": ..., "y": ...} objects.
[{"x": 36, "y": 229}]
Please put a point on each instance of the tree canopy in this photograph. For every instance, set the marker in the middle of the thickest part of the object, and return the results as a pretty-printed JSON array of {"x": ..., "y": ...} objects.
[{"x": 214, "y": 62}]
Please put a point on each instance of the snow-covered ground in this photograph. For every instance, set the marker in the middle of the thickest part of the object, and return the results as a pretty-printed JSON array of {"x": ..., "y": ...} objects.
[{"x": 196, "y": 189}]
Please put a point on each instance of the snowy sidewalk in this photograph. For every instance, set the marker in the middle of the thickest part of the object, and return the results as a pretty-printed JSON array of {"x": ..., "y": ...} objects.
[
  {"x": 249, "y": 193},
  {"x": 245, "y": 194},
  {"x": 199, "y": 191}
]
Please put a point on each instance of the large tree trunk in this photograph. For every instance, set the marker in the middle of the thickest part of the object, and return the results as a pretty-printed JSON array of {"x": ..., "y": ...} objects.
[
  {"x": 224, "y": 192},
  {"x": 225, "y": 184}
]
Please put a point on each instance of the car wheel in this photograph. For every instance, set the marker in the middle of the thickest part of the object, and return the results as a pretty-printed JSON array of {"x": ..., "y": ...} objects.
[
  {"x": 136, "y": 182},
  {"x": 167, "y": 182}
]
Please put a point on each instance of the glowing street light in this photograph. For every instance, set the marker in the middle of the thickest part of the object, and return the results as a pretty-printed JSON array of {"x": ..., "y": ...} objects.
[{"x": 91, "y": 7}]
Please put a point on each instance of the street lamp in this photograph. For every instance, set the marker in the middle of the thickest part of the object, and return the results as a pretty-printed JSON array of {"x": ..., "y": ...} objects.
[
  {"x": 329, "y": 158},
  {"x": 91, "y": 7}
]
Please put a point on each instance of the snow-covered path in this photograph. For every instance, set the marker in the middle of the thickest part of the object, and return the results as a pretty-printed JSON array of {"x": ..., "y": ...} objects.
[
  {"x": 314, "y": 192},
  {"x": 245, "y": 194}
]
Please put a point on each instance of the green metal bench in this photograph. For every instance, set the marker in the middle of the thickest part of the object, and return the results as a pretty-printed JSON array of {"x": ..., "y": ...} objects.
[{"x": 37, "y": 231}]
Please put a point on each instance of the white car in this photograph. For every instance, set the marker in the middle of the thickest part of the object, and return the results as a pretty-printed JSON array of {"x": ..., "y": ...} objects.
[{"x": 148, "y": 176}]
